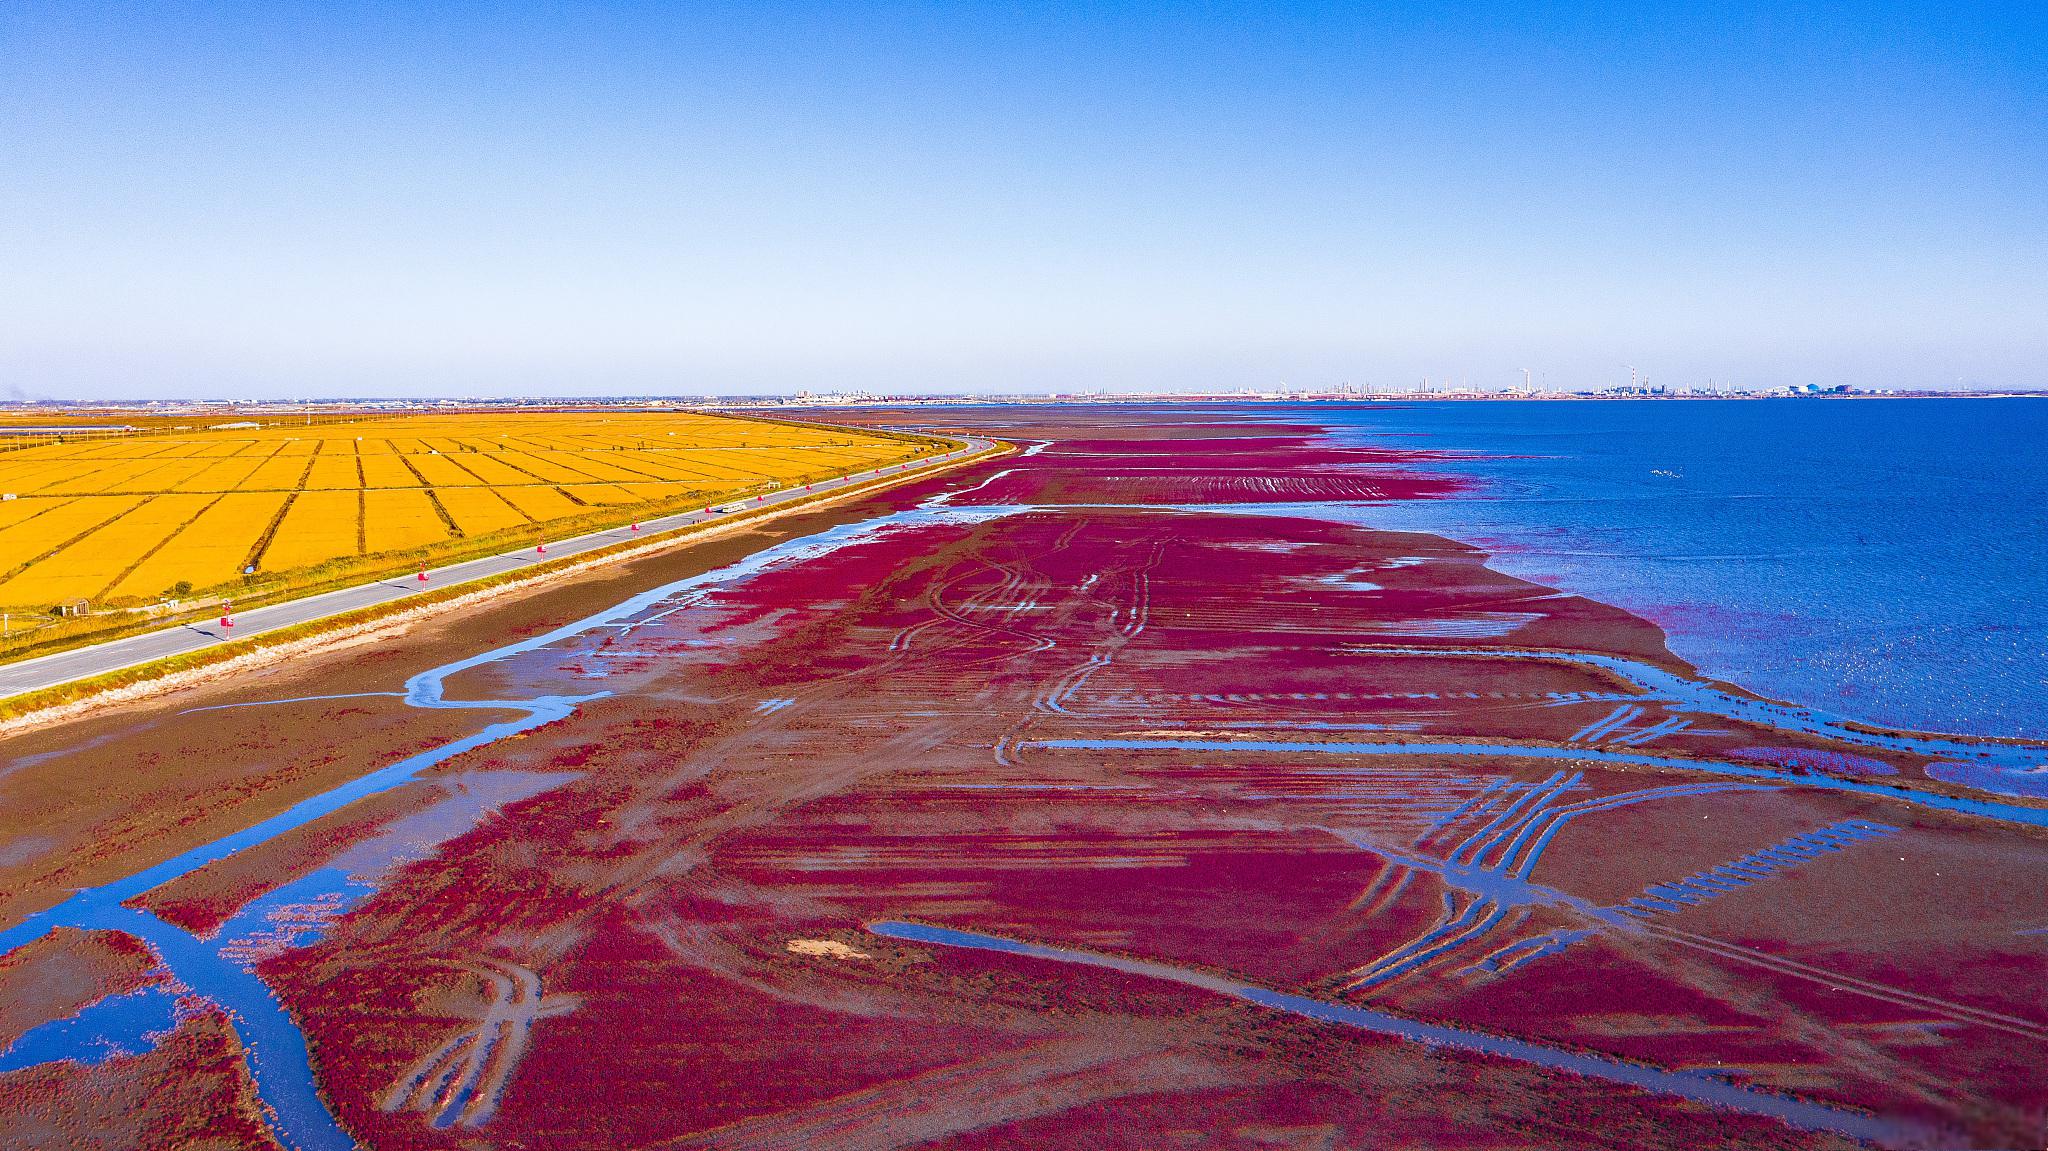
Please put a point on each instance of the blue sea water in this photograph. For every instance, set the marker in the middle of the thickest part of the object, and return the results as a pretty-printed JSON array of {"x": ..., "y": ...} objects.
[{"x": 1884, "y": 559}]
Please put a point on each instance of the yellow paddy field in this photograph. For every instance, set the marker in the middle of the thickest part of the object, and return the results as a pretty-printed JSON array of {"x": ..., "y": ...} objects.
[{"x": 129, "y": 520}]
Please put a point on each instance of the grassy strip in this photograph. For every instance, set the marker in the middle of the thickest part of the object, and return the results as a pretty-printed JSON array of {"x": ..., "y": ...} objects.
[{"x": 59, "y": 695}]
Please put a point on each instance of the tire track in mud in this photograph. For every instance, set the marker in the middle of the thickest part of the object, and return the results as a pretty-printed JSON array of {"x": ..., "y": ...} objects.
[
  {"x": 1047, "y": 1077},
  {"x": 1127, "y": 621},
  {"x": 1482, "y": 895},
  {"x": 2011, "y": 813},
  {"x": 1685, "y": 693},
  {"x": 460, "y": 1083},
  {"x": 1699, "y": 1089},
  {"x": 274, "y": 1047},
  {"x": 1835, "y": 980}
]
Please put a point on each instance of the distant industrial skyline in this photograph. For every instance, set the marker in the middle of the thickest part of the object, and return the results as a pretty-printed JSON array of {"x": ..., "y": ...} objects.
[{"x": 325, "y": 200}]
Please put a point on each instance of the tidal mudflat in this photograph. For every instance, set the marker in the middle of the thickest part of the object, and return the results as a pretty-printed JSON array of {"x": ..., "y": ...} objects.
[{"x": 1108, "y": 794}]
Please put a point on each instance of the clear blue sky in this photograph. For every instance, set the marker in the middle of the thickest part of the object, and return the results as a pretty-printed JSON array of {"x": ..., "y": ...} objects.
[{"x": 263, "y": 199}]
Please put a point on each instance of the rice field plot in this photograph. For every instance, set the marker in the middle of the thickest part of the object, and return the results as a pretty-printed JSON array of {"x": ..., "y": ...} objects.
[
  {"x": 317, "y": 527},
  {"x": 208, "y": 551},
  {"x": 125, "y": 520},
  {"x": 401, "y": 518},
  {"x": 117, "y": 546},
  {"x": 480, "y": 511}
]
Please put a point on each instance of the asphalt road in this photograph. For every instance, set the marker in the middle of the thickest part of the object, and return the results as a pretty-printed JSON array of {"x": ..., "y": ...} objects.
[{"x": 80, "y": 663}]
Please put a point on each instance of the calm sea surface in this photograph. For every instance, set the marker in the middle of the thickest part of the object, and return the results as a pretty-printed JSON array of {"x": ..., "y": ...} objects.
[{"x": 1883, "y": 559}]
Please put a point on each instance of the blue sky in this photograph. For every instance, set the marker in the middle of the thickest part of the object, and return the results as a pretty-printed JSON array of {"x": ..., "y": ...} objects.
[{"x": 589, "y": 199}]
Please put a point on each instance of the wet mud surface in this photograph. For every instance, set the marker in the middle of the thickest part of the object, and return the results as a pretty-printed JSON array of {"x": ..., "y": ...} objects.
[{"x": 1105, "y": 794}]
